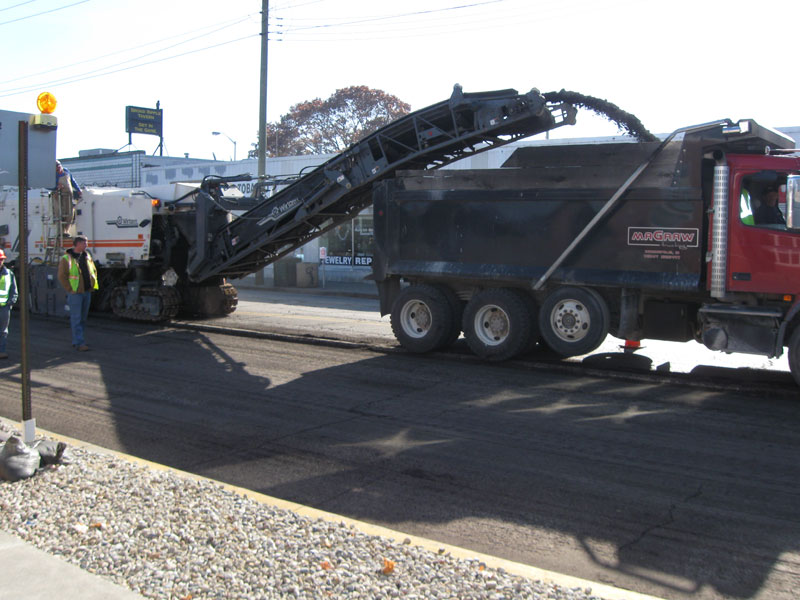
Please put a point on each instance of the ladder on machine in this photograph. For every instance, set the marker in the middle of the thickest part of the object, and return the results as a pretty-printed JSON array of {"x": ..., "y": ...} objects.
[{"x": 54, "y": 226}]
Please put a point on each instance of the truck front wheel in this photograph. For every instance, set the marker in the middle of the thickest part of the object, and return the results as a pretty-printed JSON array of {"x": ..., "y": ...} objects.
[
  {"x": 794, "y": 355},
  {"x": 574, "y": 321},
  {"x": 422, "y": 318},
  {"x": 498, "y": 324}
]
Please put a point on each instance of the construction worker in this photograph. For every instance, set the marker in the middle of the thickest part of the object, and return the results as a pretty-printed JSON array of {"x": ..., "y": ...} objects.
[
  {"x": 68, "y": 192},
  {"x": 78, "y": 276},
  {"x": 768, "y": 212},
  {"x": 8, "y": 297}
]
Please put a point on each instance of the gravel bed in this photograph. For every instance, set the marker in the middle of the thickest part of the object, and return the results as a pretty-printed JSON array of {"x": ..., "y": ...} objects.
[{"x": 167, "y": 536}]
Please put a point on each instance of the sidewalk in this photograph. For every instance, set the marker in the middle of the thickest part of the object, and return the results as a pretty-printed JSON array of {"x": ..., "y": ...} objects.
[
  {"x": 356, "y": 289},
  {"x": 34, "y": 574}
]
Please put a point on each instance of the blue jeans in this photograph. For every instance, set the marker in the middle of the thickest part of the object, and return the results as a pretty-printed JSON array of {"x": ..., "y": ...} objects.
[
  {"x": 78, "y": 311},
  {"x": 5, "y": 314}
]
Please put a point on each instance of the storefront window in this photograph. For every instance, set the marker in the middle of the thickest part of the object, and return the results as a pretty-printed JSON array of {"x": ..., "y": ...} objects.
[{"x": 350, "y": 243}]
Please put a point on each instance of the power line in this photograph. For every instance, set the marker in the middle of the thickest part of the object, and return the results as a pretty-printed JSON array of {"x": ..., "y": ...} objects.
[
  {"x": 479, "y": 21},
  {"x": 409, "y": 26},
  {"x": 119, "y": 52},
  {"x": 396, "y": 24},
  {"x": 16, "y": 5},
  {"x": 288, "y": 5},
  {"x": 45, "y": 12},
  {"x": 81, "y": 78},
  {"x": 389, "y": 17}
]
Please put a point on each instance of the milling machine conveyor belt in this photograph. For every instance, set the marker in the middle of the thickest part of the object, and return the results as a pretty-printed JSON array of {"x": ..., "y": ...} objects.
[{"x": 340, "y": 188}]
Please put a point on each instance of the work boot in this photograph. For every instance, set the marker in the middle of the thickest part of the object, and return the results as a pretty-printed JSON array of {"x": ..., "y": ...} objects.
[
  {"x": 82, "y": 348},
  {"x": 3, "y": 355}
]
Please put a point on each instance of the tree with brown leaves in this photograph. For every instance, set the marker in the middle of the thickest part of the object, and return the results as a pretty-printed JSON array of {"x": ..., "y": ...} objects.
[{"x": 329, "y": 126}]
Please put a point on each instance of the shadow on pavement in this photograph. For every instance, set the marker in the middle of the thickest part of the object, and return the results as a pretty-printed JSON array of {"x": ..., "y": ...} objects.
[{"x": 684, "y": 488}]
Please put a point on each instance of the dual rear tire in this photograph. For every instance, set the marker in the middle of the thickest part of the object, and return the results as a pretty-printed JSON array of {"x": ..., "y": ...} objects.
[
  {"x": 500, "y": 323},
  {"x": 426, "y": 317}
]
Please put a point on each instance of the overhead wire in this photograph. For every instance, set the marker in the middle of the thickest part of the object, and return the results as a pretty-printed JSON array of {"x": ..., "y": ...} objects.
[
  {"x": 16, "y": 5},
  {"x": 230, "y": 23},
  {"x": 397, "y": 27},
  {"x": 409, "y": 25},
  {"x": 44, "y": 12},
  {"x": 288, "y": 5},
  {"x": 413, "y": 13},
  {"x": 402, "y": 29},
  {"x": 81, "y": 78},
  {"x": 103, "y": 69}
]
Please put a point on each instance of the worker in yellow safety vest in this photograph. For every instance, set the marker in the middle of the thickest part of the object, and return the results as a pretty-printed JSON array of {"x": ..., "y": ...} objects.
[
  {"x": 78, "y": 276},
  {"x": 8, "y": 297}
]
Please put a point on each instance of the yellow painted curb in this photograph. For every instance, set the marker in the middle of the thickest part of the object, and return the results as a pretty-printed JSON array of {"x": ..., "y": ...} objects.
[{"x": 598, "y": 589}]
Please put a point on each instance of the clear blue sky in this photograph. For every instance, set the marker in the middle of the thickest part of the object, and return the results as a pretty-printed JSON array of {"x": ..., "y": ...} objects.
[{"x": 671, "y": 63}]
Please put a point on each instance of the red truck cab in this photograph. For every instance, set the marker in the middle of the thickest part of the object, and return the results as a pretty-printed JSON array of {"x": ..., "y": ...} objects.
[{"x": 763, "y": 258}]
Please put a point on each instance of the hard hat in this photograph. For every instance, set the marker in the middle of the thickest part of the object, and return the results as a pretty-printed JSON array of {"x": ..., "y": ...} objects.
[{"x": 2, "y": 254}]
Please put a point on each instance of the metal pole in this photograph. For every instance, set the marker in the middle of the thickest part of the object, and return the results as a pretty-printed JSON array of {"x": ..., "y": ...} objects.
[
  {"x": 161, "y": 136},
  {"x": 28, "y": 422},
  {"x": 262, "y": 109}
]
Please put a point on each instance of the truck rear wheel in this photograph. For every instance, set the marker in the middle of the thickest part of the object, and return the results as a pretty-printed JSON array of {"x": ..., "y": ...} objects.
[
  {"x": 794, "y": 354},
  {"x": 498, "y": 324},
  {"x": 574, "y": 321},
  {"x": 422, "y": 318}
]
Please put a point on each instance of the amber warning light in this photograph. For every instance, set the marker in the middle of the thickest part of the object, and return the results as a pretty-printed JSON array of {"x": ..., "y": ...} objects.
[{"x": 46, "y": 103}]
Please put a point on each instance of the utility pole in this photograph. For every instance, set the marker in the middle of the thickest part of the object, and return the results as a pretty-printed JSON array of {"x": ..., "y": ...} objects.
[{"x": 262, "y": 111}]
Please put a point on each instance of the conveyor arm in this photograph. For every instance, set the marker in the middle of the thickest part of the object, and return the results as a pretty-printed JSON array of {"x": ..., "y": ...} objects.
[{"x": 339, "y": 189}]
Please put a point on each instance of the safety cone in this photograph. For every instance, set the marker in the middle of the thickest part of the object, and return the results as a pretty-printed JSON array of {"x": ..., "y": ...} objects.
[{"x": 631, "y": 346}]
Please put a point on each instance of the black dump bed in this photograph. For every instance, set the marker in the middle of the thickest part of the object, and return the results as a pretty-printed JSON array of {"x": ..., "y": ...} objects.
[{"x": 510, "y": 224}]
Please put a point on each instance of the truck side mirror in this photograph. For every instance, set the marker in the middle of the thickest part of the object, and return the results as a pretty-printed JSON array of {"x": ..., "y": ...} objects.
[{"x": 793, "y": 202}]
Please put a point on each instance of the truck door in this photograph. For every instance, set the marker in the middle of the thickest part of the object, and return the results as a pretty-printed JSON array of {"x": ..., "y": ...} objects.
[{"x": 763, "y": 256}]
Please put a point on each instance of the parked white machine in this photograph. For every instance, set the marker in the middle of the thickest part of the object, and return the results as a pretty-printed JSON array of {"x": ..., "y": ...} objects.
[{"x": 140, "y": 257}]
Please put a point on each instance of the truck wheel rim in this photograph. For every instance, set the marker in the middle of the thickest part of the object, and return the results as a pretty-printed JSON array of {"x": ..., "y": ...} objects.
[
  {"x": 570, "y": 320},
  {"x": 492, "y": 325},
  {"x": 415, "y": 319}
]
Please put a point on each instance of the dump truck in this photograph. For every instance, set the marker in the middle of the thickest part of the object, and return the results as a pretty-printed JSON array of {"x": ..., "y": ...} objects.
[{"x": 565, "y": 244}]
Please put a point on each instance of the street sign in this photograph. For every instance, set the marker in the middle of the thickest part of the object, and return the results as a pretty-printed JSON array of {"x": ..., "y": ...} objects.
[{"x": 143, "y": 120}]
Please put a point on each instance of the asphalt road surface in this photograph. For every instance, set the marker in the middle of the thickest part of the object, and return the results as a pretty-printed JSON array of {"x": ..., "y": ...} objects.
[{"x": 672, "y": 489}]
